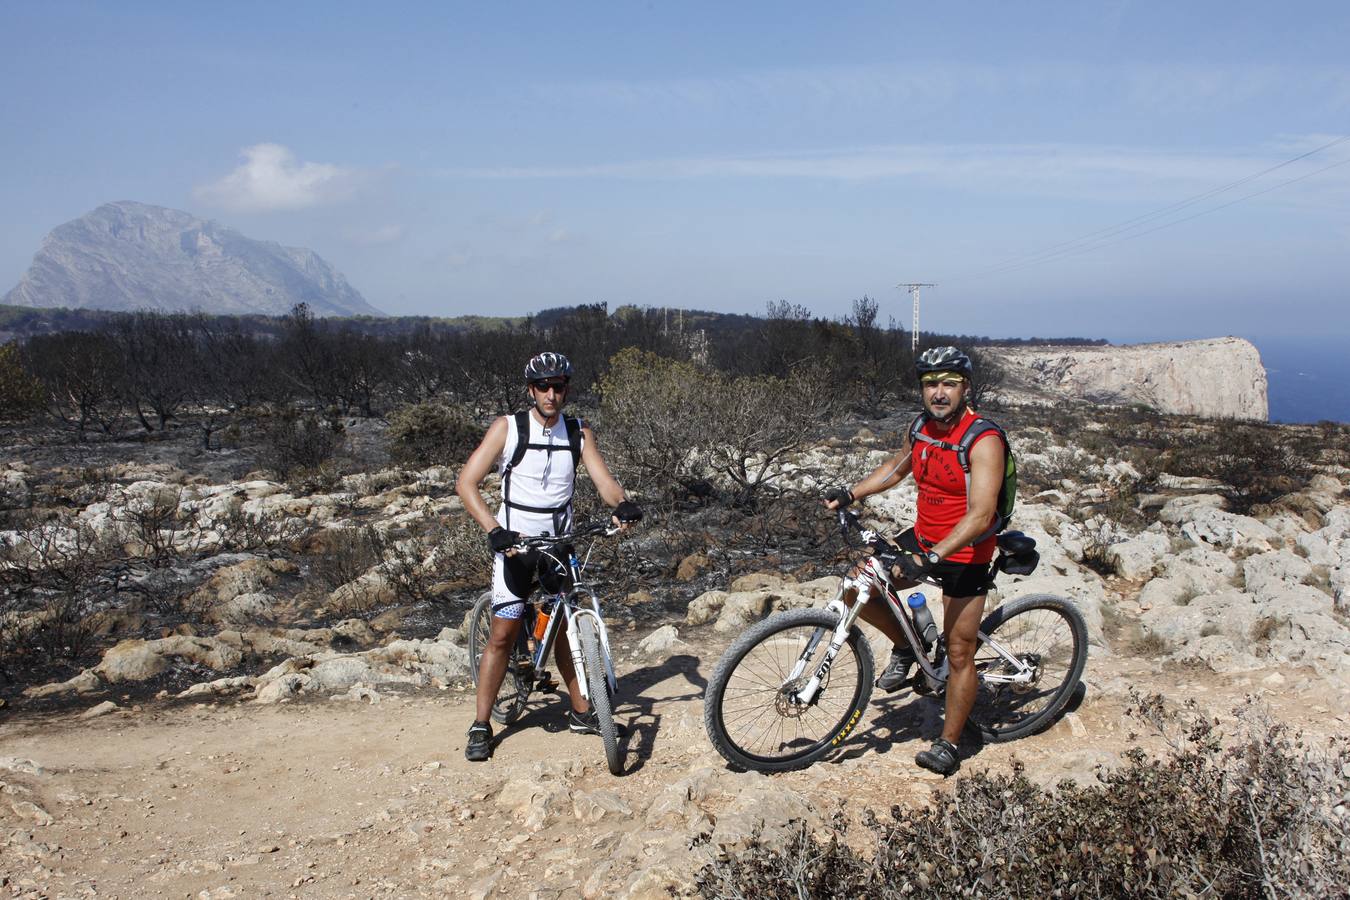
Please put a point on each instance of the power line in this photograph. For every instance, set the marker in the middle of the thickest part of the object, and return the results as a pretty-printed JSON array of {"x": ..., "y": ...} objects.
[
  {"x": 1203, "y": 212},
  {"x": 1102, "y": 237}
]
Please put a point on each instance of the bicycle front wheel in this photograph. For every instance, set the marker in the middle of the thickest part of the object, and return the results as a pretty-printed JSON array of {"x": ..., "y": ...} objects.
[
  {"x": 519, "y": 679},
  {"x": 751, "y": 711},
  {"x": 597, "y": 682},
  {"x": 1046, "y": 634}
]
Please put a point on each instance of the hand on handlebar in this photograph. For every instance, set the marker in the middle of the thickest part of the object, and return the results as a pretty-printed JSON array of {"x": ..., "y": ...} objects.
[
  {"x": 501, "y": 540},
  {"x": 837, "y": 498},
  {"x": 913, "y": 567},
  {"x": 625, "y": 514}
]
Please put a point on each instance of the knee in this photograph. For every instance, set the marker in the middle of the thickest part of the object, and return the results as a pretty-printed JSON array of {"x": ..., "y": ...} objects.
[
  {"x": 501, "y": 641},
  {"x": 960, "y": 653}
]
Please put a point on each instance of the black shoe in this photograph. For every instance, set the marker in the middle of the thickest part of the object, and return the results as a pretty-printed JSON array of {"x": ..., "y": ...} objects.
[
  {"x": 589, "y": 723},
  {"x": 941, "y": 758},
  {"x": 896, "y": 673},
  {"x": 479, "y": 746}
]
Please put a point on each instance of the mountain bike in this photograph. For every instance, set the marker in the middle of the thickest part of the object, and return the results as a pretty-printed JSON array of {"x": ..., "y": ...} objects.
[
  {"x": 570, "y": 600},
  {"x": 794, "y": 686}
]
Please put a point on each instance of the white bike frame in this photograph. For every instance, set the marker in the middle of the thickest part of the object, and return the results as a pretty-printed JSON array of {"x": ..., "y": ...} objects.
[{"x": 874, "y": 577}]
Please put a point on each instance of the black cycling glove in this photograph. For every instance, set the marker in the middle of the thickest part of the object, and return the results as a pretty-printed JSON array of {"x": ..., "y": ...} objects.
[
  {"x": 501, "y": 540},
  {"x": 841, "y": 495},
  {"x": 628, "y": 511},
  {"x": 914, "y": 571}
]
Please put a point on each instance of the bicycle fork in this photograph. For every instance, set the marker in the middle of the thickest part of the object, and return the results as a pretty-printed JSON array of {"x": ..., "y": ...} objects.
[{"x": 848, "y": 615}]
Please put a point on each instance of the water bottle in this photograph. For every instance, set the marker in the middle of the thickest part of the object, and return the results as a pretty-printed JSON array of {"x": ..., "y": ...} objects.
[
  {"x": 541, "y": 618},
  {"x": 923, "y": 619}
]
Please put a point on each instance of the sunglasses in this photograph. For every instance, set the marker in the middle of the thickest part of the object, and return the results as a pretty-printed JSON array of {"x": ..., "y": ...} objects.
[{"x": 544, "y": 387}]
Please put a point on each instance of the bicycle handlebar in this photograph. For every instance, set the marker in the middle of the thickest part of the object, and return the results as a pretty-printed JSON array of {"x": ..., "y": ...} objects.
[
  {"x": 885, "y": 552},
  {"x": 584, "y": 531}
]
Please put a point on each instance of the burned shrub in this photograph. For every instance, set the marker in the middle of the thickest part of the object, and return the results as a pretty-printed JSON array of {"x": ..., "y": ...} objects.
[
  {"x": 295, "y": 443},
  {"x": 1257, "y": 463},
  {"x": 432, "y": 434}
]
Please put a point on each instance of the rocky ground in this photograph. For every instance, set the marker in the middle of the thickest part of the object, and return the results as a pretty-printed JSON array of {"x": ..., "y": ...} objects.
[{"x": 288, "y": 742}]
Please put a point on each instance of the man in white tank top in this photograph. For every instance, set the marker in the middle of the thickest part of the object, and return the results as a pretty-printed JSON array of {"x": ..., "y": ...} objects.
[{"x": 538, "y": 470}]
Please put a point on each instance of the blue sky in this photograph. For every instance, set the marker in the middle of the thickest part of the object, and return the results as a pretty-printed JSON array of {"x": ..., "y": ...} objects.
[{"x": 501, "y": 158}]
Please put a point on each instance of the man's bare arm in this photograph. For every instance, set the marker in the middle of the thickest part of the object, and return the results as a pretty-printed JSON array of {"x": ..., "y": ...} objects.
[
  {"x": 883, "y": 477},
  {"x": 606, "y": 485},
  {"x": 476, "y": 469}
]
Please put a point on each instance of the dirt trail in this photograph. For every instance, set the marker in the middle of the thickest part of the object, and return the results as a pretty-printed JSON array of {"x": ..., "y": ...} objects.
[{"x": 329, "y": 798}]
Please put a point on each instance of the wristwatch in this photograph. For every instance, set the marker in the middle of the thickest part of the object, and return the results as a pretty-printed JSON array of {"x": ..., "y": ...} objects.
[{"x": 933, "y": 558}]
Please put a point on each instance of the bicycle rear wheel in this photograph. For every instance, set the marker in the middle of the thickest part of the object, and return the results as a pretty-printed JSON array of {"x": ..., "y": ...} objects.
[
  {"x": 597, "y": 683},
  {"x": 1044, "y": 632},
  {"x": 750, "y": 711},
  {"x": 519, "y": 678}
]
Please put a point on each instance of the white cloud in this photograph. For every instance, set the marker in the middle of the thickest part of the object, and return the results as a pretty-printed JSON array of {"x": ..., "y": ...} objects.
[{"x": 270, "y": 179}]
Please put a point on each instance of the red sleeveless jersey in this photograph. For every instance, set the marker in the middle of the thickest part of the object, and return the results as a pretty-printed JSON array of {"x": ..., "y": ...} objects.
[{"x": 942, "y": 491}]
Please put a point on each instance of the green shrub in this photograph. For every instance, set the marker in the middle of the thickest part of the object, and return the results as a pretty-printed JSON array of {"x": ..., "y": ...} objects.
[{"x": 432, "y": 434}]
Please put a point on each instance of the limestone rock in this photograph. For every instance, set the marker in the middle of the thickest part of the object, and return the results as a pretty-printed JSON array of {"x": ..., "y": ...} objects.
[
  {"x": 137, "y": 660},
  {"x": 661, "y": 642},
  {"x": 1267, "y": 573},
  {"x": 1138, "y": 557},
  {"x": 591, "y": 806},
  {"x": 84, "y": 683},
  {"x": 741, "y": 609},
  {"x": 692, "y": 566},
  {"x": 101, "y": 709},
  {"x": 705, "y": 607}
]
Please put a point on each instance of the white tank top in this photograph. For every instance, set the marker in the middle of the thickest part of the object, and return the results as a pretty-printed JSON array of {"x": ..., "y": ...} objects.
[{"x": 543, "y": 479}]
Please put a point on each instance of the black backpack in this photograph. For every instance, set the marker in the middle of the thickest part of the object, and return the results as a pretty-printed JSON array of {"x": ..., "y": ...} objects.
[{"x": 573, "y": 425}]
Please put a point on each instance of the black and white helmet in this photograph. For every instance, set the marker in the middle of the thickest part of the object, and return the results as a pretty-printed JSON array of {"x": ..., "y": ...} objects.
[
  {"x": 943, "y": 359},
  {"x": 548, "y": 365}
]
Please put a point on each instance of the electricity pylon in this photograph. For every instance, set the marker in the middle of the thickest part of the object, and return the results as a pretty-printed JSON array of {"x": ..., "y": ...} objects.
[{"x": 913, "y": 288}]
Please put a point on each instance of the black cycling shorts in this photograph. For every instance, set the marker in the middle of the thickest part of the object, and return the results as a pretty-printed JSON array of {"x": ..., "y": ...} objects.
[{"x": 956, "y": 579}]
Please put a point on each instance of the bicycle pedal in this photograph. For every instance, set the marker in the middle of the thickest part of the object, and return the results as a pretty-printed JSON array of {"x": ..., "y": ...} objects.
[{"x": 544, "y": 682}]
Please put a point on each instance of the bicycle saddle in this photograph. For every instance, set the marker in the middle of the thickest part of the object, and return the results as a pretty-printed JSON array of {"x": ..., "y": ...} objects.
[{"x": 1015, "y": 542}]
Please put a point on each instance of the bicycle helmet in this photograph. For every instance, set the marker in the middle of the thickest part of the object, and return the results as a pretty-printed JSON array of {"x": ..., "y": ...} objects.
[
  {"x": 548, "y": 365},
  {"x": 943, "y": 359}
]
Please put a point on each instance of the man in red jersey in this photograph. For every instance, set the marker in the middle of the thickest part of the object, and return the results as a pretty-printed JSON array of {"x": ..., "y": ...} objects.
[{"x": 953, "y": 539}]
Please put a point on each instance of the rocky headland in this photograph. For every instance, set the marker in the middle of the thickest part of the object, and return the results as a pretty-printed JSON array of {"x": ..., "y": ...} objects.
[{"x": 1220, "y": 378}]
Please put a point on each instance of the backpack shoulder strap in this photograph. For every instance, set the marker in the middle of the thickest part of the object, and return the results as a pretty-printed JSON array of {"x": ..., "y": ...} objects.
[
  {"x": 574, "y": 438},
  {"x": 522, "y": 439},
  {"x": 978, "y": 427}
]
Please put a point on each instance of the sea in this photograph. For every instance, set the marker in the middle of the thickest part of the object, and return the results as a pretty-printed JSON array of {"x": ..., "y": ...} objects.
[{"x": 1308, "y": 379}]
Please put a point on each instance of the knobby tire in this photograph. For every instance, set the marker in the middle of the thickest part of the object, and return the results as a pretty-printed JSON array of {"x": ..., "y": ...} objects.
[
  {"x": 1053, "y": 630},
  {"x": 758, "y": 707},
  {"x": 597, "y": 682}
]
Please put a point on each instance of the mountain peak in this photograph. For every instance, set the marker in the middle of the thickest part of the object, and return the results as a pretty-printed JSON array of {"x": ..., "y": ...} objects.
[{"x": 127, "y": 255}]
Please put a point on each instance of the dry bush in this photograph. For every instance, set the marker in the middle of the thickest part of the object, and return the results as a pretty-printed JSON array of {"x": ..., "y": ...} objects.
[
  {"x": 1258, "y": 463},
  {"x": 1262, "y": 814},
  {"x": 294, "y": 443},
  {"x": 346, "y": 555},
  {"x": 265, "y": 534},
  {"x": 432, "y": 434},
  {"x": 53, "y": 576}
]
